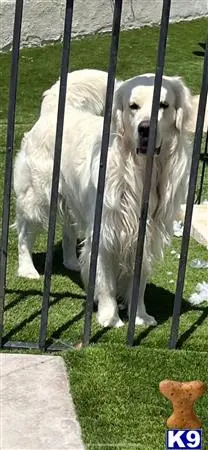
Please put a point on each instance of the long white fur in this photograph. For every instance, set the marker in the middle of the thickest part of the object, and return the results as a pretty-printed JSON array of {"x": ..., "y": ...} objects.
[
  {"x": 86, "y": 90},
  {"x": 123, "y": 188}
]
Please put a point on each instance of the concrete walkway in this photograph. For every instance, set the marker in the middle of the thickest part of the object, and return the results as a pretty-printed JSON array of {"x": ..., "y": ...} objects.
[
  {"x": 192, "y": 122},
  {"x": 36, "y": 408},
  {"x": 199, "y": 226}
]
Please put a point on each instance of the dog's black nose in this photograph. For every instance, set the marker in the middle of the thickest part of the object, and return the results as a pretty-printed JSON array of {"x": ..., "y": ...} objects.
[{"x": 143, "y": 128}]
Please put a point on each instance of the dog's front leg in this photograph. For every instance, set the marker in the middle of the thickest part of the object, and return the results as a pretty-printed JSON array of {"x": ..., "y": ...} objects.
[
  {"x": 69, "y": 243},
  {"x": 105, "y": 285},
  {"x": 26, "y": 237},
  {"x": 105, "y": 292},
  {"x": 142, "y": 318}
]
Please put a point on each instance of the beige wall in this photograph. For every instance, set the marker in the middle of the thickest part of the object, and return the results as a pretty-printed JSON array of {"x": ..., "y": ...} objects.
[{"x": 43, "y": 19}]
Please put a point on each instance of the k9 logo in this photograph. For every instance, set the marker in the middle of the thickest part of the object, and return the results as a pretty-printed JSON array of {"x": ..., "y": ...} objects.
[{"x": 185, "y": 439}]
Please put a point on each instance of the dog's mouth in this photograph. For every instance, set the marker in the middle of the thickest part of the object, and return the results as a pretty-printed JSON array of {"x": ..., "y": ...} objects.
[{"x": 142, "y": 148}]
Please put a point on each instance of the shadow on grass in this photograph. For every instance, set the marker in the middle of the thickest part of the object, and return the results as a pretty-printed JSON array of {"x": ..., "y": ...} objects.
[
  {"x": 159, "y": 303},
  {"x": 200, "y": 52},
  {"x": 57, "y": 298},
  {"x": 56, "y": 335},
  {"x": 25, "y": 295},
  {"x": 186, "y": 335},
  {"x": 58, "y": 267}
]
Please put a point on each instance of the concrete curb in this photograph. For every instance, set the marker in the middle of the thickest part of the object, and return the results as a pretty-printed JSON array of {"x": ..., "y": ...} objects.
[
  {"x": 199, "y": 227},
  {"x": 192, "y": 123},
  {"x": 37, "y": 410}
]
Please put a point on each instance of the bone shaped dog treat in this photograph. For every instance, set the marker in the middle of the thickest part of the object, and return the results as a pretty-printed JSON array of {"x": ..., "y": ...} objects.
[{"x": 183, "y": 397}]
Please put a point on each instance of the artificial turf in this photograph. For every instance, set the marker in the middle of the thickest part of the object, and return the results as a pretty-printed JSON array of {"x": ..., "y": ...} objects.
[
  {"x": 115, "y": 388},
  {"x": 116, "y": 393}
]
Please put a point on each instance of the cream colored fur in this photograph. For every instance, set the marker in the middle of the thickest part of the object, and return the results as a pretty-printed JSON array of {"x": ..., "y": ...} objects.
[{"x": 86, "y": 90}]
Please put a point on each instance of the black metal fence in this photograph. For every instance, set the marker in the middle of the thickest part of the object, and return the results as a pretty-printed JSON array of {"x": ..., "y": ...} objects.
[
  {"x": 204, "y": 165},
  {"x": 42, "y": 344}
]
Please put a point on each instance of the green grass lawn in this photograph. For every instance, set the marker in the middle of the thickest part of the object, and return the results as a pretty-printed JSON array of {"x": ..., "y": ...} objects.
[{"x": 115, "y": 388}]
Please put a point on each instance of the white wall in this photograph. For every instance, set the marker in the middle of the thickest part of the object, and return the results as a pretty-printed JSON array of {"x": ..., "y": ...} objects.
[{"x": 43, "y": 19}]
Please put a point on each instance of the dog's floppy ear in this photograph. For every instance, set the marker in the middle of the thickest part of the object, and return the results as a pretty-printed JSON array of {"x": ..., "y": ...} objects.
[
  {"x": 117, "y": 117},
  {"x": 183, "y": 103}
]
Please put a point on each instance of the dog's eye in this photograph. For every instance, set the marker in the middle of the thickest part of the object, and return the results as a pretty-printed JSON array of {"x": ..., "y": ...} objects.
[
  {"x": 164, "y": 105},
  {"x": 134, "y": 106}
]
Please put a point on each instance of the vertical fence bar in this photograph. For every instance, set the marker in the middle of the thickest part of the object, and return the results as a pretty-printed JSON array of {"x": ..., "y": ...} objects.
[
  {"x": 189, "y": 206},
  {"x": 102, "y": 168},
  {"x": 148, "y": 168},
  {"x": 9, "y": 156},
  {"x": 204, "y": 162},
  {"x": 56, "y": 172}
]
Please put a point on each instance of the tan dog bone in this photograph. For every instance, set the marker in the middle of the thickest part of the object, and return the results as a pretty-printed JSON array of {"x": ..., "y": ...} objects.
[{"x": 183, "y": 397}]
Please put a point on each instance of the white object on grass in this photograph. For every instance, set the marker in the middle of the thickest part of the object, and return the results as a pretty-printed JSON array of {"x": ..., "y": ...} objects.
[
  {"x": 200, "y": 295},
  {"x": 199, "y": 264},
  {"x": 178, "y": 228}
]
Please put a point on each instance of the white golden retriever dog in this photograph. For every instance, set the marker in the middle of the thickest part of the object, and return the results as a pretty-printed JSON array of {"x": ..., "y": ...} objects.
[{"x": 123, "y": 189}]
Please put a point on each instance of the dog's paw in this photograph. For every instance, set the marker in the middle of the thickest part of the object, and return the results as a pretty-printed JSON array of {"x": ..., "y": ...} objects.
[
  {"x": 28, "y": 272},
  {"x": 108, "y": 318},
  {"x": 118, "y": 323},
  {"x": 72, "y": 265},
  {"x": 145, "y": 319}
]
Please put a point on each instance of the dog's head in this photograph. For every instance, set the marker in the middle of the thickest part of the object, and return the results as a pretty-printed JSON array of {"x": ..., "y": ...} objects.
[{"x": 132, "y": 110}]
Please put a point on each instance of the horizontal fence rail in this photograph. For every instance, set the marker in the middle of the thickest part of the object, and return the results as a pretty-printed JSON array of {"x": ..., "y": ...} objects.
[{"x": 42, "y": 343}]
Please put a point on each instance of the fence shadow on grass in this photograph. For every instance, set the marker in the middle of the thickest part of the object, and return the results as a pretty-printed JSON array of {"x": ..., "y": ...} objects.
[
  {"x": 56, "y": 335},
  {"x": 23, "y": 295},
  {"x": 159, "y": 303},
  {"x": 26, "y": 294},
  {"x": 58, "y": 267},
  {"x": 186, "y": 335}
]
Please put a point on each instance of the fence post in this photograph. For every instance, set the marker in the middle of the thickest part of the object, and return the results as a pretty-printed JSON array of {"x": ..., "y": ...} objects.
[
  {"x": 204, "y": 159},
  {"x": 148, "y": 168},
  {"x": 9, "y": 156},
  {"x": 189, "y": 206},
  {"x": 102, "y": 169},
  {"x": 56, "y": 172}
]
